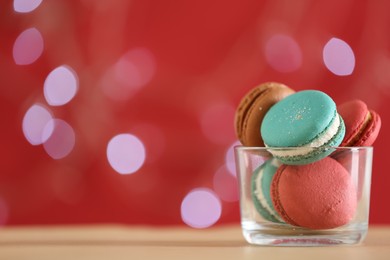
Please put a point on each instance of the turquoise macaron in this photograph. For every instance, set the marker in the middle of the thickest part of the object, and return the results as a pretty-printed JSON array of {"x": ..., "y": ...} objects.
[
  {"x": 303, "y": 127},
  {"x": 261, "y": 190}
]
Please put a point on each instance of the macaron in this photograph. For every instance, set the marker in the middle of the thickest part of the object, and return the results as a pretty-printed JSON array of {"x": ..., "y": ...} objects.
[
  {"x": 261, "y": 190},
  {"x": 252, "y": 109},
  {"x": 319, "y": 195},
  {"x": 306, "y": 123},
  {"x": 362, "y": 125}
]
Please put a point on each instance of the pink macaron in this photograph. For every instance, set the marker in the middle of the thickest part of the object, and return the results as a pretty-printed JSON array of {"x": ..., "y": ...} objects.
[
  {"x": 320, "y": 195},
  {"x": 362, "y": 125}
]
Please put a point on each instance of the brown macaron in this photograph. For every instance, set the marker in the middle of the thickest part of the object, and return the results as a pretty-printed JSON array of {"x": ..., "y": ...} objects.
[{"x": 252, "y": 109}]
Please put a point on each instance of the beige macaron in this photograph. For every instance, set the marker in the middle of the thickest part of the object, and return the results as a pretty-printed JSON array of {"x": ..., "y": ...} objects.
[{"x": 252, "y": 109}]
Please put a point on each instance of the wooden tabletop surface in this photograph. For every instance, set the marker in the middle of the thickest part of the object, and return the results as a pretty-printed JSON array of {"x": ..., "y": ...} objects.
[{"x": 145, "y": 242}]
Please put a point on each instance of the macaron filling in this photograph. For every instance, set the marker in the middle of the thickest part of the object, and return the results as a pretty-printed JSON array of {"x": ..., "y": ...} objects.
[
  {"x": 322, "y": 139},
  {"x": 261, "y": 198}
]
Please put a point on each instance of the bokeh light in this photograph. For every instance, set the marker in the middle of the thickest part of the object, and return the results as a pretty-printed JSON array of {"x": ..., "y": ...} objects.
[
  {"x": 37, "y": 119},
  {"x": 283, "y": 53},
  {"x": 217, "y": 121},
  {"x": 126, "y": 153},
  {"x": 61, "y": 141},
  {"x": 230, "y": 160},
  {"x": 134, "y": 70},
  {"x": 26, "y": 6},
  {"x": 4, "y": 212},
  {"x": 225, "y": 184},
  {"x": 28, "y": 47},
  {"x": 339, "y": 57},
  {"x": 201, "y": 208},
  {"x": 60, "y": 86}
]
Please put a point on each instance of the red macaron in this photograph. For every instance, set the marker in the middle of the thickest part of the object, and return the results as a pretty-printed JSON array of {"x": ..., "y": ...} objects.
[
  {"x": 320, "y": 195},
  {"x": 362, "y": 125}
]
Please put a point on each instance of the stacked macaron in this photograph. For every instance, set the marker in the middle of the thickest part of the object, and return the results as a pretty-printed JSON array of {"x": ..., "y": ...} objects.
[
  {"x": 252, "y": 109},
  {"x": 307, "y": 120},
  {"x": 303, "y": 184}
]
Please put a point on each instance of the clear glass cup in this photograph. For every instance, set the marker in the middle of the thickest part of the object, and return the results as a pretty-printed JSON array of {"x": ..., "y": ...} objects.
[{"x": 260, "y": 231}]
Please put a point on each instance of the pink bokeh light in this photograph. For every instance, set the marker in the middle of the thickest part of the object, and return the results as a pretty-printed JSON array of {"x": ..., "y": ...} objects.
[
  {"x": 283, "y": 53},
  {"x": 201, "y": 208},
  {"x": 36, "y": 119},
  {"x": 126, "y": 153},
  {"x": 339, "y": 57},
  {"x": 60, "y": 86},
  {"x": 134, "y": 70},
  {"x": 62, "y": 140},
  {"x": 26, "y": 6},
  {"x": 28, "y": 47}
]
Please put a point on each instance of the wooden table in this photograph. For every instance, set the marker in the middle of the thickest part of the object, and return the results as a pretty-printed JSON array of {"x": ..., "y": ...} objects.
[{"x": 143, "y": 242}]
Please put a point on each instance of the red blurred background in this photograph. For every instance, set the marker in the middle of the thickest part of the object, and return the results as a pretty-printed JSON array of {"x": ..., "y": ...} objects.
[{"x": 171, "y": 74}]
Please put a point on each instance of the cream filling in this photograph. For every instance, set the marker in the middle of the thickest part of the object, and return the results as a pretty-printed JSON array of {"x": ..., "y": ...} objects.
[
  {"x": 260, "y": 196},
  {"x": 322, "y": 139}
]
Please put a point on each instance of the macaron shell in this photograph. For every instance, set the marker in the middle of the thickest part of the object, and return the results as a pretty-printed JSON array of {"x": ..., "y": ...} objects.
[
  {"x": 317, "y": 153},
  {"x": 267, "y": 170},
  {"x": 362, "y": 125},
  {"x": 320, "y": 195},
  {"x": 298, "y": 119},
  {"x": 253, "y": 108},
  {"x": 354, "y": 113},
  {"x": 371, "y": 131}
]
